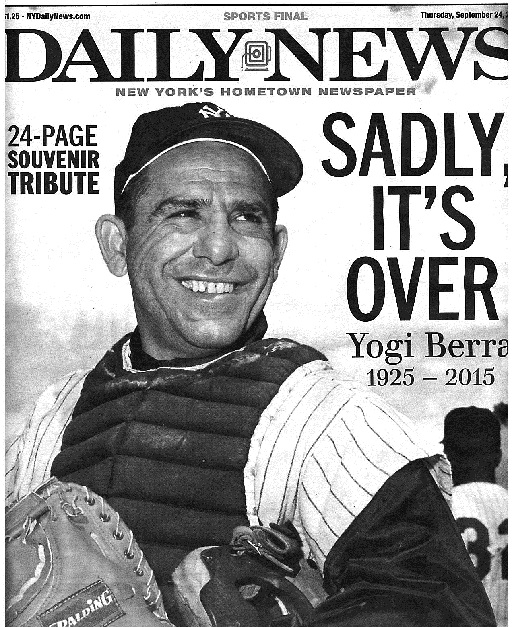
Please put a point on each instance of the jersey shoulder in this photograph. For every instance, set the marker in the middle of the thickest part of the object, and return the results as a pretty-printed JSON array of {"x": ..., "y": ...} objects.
[{"x": 30, "y": 452}]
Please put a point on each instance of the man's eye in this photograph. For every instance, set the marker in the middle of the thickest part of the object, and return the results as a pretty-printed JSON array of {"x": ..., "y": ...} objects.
[
  {"x": 184, "y": 213},
  {"x": 250, "y": 216}
]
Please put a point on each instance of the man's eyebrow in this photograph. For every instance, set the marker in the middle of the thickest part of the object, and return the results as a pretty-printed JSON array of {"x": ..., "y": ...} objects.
[{"x": 177, "y": 202}]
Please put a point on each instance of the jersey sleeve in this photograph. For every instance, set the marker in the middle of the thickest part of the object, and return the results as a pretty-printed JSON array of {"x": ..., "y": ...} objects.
[
  {"x": 30, "y": 452},
  {"x": 324, "y": 448}
]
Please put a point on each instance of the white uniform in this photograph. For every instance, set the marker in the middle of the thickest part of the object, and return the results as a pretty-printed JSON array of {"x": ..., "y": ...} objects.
[
  {"x": 480, "y": 510},
  {"x": 322, "y": 449}
]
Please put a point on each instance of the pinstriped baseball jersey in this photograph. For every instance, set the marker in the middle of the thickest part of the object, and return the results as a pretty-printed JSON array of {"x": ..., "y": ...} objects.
[
  {"x": 323, "y": 447},
  {"x": 480, "y": 510}
]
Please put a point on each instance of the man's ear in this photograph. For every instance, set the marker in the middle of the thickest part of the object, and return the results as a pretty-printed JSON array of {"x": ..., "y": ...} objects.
[
  {"x": 111, "y": 235},
  {"x": 280, "y": 243}
]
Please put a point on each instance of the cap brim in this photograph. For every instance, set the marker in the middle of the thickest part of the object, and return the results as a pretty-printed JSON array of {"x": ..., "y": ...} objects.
[{"x": 278, "y": 156}]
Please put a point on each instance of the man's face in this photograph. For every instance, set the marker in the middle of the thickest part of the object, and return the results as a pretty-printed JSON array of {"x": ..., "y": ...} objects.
[{"x": 202, "y": 254}]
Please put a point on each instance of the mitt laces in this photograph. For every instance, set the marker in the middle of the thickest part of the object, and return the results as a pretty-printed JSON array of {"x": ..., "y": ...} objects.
[{"x": 131, "y": 551}]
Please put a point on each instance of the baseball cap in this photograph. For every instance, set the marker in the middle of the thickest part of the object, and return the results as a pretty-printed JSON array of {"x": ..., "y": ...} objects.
[
  {"x": 472, "y": 430},
  {"x": 156, "y": 132}
]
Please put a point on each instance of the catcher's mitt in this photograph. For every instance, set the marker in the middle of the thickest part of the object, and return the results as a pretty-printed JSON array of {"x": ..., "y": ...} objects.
[
  {"x": 245, "y": 584},
  {"x": 70, "y": 560}
]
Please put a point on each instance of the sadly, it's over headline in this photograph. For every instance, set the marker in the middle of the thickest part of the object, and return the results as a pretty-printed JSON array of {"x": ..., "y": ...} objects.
[{"x": 378, "y": 147}]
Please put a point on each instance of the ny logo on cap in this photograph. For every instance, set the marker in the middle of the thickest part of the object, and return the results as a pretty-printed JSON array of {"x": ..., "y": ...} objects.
[{"x": 213, "y": 111}]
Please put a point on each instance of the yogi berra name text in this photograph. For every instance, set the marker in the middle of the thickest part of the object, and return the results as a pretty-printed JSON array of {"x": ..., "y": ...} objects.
[{"x": 434, "y": 344}]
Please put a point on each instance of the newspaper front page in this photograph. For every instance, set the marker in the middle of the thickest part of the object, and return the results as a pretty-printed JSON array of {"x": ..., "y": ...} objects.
[{"x": 396, "y": 266}]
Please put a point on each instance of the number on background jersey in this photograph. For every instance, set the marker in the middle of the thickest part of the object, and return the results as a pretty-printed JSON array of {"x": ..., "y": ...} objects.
[{"x": 478, "y": 547}]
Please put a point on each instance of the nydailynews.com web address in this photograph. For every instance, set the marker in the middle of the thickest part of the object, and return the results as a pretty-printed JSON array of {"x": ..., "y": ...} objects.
[{"x": 58, "y": 16}]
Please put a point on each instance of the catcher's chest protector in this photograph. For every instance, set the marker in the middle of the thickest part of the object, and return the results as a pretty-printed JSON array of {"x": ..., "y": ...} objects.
[
  {"x": 71, "y": 561},
  {"x": 167, "y": 447}
]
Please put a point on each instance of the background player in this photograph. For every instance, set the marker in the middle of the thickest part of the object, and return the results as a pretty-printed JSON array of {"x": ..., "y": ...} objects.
[{"x": 472, "y": 443}]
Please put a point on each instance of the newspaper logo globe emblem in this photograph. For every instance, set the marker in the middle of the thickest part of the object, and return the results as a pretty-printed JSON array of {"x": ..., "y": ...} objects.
[{"x": 257, "y": 56}]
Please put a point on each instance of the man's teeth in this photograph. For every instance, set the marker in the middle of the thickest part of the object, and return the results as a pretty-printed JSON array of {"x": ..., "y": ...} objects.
[{"x": 208, "y": 287}]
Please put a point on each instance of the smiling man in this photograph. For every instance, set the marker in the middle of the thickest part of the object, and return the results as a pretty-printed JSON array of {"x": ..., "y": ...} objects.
[
  {"x": 194, "y": 424},
  {"x": 203, "y": 251}
]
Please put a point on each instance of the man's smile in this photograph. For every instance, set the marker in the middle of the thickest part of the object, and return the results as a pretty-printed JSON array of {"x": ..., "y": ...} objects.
[{"x": 209, "y": 287}]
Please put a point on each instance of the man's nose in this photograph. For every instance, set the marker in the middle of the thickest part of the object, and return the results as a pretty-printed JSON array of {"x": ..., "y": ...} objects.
[{"x": 216, "y": 242}]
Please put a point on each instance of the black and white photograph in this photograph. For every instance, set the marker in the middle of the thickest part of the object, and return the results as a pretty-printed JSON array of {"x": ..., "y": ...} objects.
[{"x": 256, "y": 263}]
